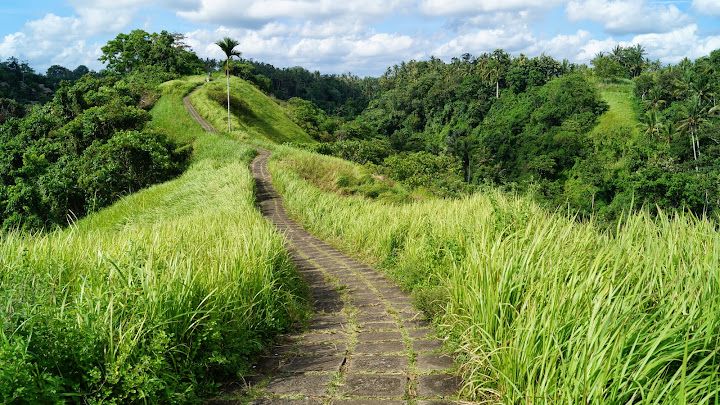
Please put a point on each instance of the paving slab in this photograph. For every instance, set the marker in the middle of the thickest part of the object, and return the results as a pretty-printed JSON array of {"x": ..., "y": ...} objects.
[
  {"x": 379, "y": 336},
  {"x": 367, "y": 402},
  {"x": 437, "y": 385},
  {"x": 420, "y": 333},
  {"x": 415, "y": 323},
  {"x": 378, "y": 364},
  {"x": 427, "y": 345},
  {"x": 324, "y": 338},
  {"x": 312, "y": 350},
  {"x": 372, "y": 385},
  {"x": 304, "y": 364},
  {"x": 364, "y": 318},
  {"x": 432, "y": 362},
  {"x": 379, "y": 347},
  {"x": 280, "y": 401},
  {"x": 373, "y": 326},
  {"x": 304, "y": 384}
]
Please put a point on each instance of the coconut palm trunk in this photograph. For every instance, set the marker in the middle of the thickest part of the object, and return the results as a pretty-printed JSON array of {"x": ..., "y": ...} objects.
[
  {"x": 227, "y": 76},
  {"x": 228, "y": 45}
]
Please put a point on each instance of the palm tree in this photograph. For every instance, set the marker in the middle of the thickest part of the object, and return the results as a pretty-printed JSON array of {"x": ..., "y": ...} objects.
[
  {"x": 694, "y": 114},
  {"x": 228, "y": 45}
]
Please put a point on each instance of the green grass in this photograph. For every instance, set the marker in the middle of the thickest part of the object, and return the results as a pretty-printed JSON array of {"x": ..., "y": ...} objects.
[
  {"x": 155, "y": 298},
  {"x": 340, "y": 176},
  {"x": 542, "y": 308},
  {"x": 255, "y": 116},
  {"x": 622, "y": 112}
]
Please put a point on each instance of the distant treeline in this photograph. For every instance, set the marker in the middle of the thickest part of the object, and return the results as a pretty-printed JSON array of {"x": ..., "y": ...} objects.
[
  {"x": 344, "y": 95},
  {"x": 532, "y": 125}
]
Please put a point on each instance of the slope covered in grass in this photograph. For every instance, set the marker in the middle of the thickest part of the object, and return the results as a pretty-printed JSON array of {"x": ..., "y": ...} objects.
[
  {"x": 544, "y": 309},
  {"x": 254, "y": 116},
  {"x": 622, "y": 113},
  {"x": 153, "y": 299}
]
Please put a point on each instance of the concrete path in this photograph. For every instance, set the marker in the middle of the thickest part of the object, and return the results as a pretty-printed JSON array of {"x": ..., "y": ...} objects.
[{"x": 366, "y": 343}]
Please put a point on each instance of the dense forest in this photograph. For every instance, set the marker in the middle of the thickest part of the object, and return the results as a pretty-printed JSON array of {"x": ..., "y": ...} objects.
[
  {"x": 530, "y": 125},
  {"x": 88, "y": 145},
  {"x": 539, "y": 126}
]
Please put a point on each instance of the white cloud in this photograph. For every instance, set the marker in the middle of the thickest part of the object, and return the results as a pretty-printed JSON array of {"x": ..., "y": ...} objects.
[
  {"x": 261, "y": 11},
  {"x": 342, "y": 50},
  {"x": 510, "y": 40},
  {"x": 628, "y": 16},
  {"x": 54, "y": 39},
  {"x": 562, "y": 46},
  {"x": 595, "y": 46},
  {"x": 673, "y": 46},
  {"x": 711, "y": 7},
  {"x": 464, "y": 7}
]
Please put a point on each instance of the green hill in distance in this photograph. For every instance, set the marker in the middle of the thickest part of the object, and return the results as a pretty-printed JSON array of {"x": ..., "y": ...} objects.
[{"x": 254, "y": 115}]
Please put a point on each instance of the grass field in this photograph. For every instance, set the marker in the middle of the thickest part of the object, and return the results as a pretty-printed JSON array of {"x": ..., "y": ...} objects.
[
  {"x": 542, "y": 308},
  {"x": 255, "y": 117},
  {"x": 622, "y": 112},
  {"x": 155, "y": 298}
]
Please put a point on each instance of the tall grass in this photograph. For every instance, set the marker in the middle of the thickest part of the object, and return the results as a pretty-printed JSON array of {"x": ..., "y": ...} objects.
[
  {"x": 153, "y": 299},
  {"x": 542, "y": 308},
  {"x": 255, "y": 116}
]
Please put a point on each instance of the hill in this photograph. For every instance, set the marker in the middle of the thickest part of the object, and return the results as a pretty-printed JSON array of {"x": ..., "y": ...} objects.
[
  {"x": 155, "y": 298},
  {"x": 254, "y": 115}
]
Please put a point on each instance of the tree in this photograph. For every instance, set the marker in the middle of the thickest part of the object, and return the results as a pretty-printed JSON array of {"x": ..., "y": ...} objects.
[
  {"x": 139, "y": 50},
  {"x": 693, "y": 113},
  {"x": 228, "y": 45}
]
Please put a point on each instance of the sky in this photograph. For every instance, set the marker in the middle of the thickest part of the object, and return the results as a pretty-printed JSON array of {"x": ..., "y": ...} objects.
[{"x": 362, "y": 37}]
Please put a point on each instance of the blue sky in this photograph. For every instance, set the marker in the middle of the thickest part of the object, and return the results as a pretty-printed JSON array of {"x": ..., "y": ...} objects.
[{"x": 363, "y": 37}]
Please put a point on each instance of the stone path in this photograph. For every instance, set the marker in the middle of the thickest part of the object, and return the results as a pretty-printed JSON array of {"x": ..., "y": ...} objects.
[{"x": 366, "y": 344}]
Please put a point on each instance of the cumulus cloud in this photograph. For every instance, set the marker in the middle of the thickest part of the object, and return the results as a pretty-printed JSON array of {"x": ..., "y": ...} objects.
[
  {"x": 628, "y": 16},
  {"x": 55, "y": 39},
  {"x": 711, "y": 7},
  {"x": 673, "y": 46},
  {"x": 354, "y": 49},
  {"x": 257, "y": 12},
  {"x": 562, "y": 46},
  {"x": 465, "y": 7},
  {"x": 486, "y": 40}
]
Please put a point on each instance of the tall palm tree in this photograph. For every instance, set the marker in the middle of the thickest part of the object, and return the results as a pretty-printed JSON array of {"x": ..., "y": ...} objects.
[
  {"x": 228, "y": 45},
  {"x": 694, "y": 115}
]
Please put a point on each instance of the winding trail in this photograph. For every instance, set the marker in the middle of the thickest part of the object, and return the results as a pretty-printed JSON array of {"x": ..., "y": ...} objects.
[{"x": 366, "y": 343}]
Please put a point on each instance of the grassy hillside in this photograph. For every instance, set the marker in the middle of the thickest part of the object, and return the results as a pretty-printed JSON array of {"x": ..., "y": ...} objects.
[
  {"x": 544, "y": 309},
  {"x": 154, "y": 298},
  {"x": 622, "y": 112},
  {"x": 254, "y": 116}
]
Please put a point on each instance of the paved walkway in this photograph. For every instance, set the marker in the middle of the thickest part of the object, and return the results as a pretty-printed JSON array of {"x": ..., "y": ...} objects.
[{"x": 366, "y": 344}]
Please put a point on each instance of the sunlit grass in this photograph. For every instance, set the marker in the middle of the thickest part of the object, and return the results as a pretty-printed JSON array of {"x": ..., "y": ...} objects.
[
  {"x": 542, "y": 308},
  {"x": 154, "y": 298},
  {"x": 622, "y": 112},
  {"x": 256, "y": 117}
]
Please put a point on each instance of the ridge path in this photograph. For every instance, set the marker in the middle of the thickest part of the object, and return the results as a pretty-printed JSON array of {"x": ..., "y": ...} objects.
[{"x": 366, "y": 343}]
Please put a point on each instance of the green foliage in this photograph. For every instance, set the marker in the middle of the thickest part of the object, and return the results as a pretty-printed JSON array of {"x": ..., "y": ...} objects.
[
  {"x": 359, "y": 151},
  {"x": 339, "y": 176},
  {"x": 156, "y": 298},
  {"x": 544, "y": 308},
  {"x": 536, "y": 137},
  {"x": 140, "y": 50},
  {"x": 439, "y": 173},
  {"x": 253, "y": 114},
  {"x": 80, "y": 152},
  {"x": 126, "y": 163},
  {"x": 343, "y": 95}
]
